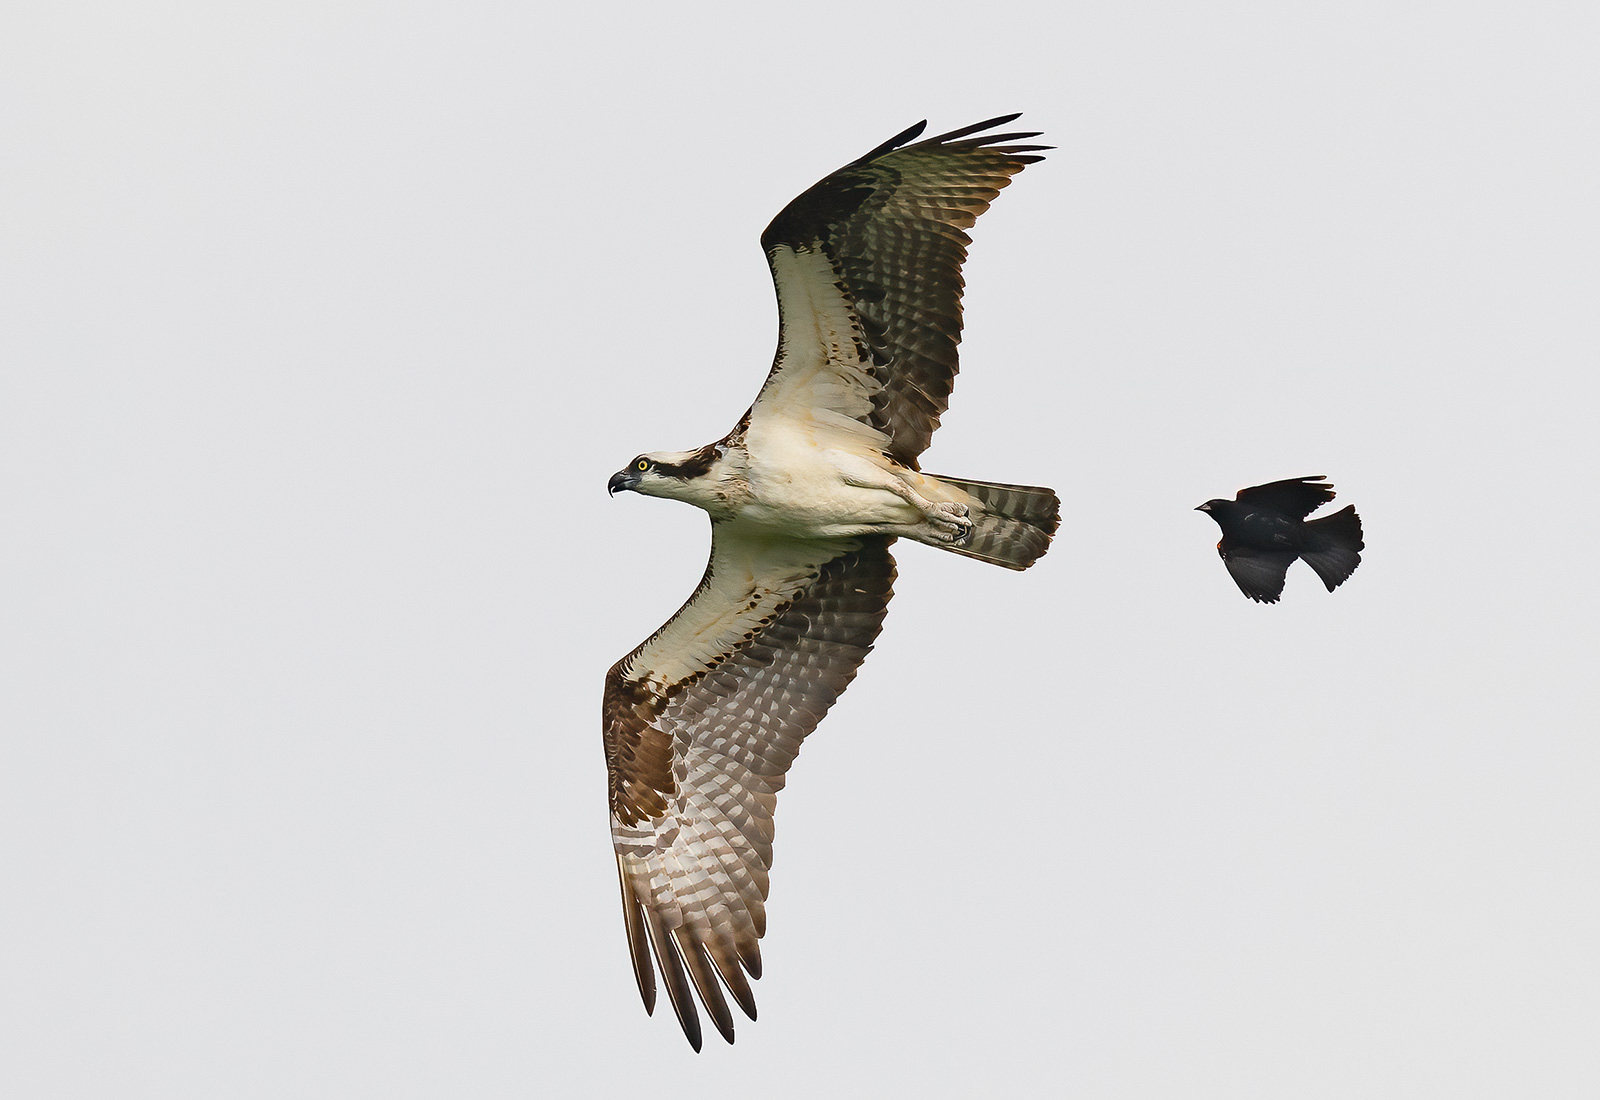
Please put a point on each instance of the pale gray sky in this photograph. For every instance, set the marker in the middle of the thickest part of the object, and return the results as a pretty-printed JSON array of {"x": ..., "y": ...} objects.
[{"x": 322, "y": 327}]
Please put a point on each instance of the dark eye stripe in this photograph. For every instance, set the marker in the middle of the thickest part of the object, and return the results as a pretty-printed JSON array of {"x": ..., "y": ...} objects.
[{"x": 696, "y": 465}]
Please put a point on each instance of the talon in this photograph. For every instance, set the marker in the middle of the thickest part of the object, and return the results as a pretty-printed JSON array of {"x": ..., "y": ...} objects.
[{"x": 949, "y": 522}]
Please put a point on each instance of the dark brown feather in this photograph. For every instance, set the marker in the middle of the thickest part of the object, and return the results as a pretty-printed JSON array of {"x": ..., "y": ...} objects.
[{"x": 638, "y": 757}]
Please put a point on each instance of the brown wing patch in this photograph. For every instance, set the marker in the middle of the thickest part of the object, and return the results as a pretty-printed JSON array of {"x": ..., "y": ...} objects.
[
  {"x": 638, "y": 755},
  {"x": 639, "y": 751}
]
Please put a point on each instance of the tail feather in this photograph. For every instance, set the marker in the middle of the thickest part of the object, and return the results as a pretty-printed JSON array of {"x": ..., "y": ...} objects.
[
  {"x": 1333, "y": 546},
  {"x": 1011, "y": 524}
]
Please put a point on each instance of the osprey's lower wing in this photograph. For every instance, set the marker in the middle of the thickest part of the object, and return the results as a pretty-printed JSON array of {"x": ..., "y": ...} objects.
[{"x": 702, "y": 723}]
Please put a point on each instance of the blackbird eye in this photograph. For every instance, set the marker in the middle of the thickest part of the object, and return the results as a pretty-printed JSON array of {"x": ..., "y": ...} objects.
[{"x": 642, "y": 465}]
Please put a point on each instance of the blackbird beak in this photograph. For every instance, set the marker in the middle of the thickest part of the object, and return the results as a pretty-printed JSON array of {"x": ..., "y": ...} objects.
[
  {"x": 1202, "y": 508},
  {"x": 622, "y": 480}
]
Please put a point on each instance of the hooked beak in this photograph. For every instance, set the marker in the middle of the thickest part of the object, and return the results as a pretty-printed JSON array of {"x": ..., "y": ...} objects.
[{"x": 622, "y": 480}]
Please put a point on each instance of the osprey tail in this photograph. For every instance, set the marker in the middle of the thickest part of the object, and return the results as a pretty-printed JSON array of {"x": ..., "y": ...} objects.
[{"x": 1011, "y": 524}]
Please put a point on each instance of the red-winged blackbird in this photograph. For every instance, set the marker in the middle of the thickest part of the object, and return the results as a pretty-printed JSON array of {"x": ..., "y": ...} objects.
[{"x": 1264, "y": 528}]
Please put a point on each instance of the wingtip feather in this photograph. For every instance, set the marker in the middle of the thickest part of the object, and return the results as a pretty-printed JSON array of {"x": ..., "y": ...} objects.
[
  {"x": 725, "y": 957},
  {"x": 672, "y": 970},
  {"x": 977, "y": 127},
  {"x": 909, "y": 134},
  {"x": 638, "y": 947},
  {"x": 694, "y": 956}
]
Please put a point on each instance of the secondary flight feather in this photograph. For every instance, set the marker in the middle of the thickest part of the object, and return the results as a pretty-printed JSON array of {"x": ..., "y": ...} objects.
[{"x": 806, "y": 495}]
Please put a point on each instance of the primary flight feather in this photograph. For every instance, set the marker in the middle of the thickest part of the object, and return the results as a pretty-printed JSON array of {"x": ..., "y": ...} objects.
[{"x": 806, "y": 495}]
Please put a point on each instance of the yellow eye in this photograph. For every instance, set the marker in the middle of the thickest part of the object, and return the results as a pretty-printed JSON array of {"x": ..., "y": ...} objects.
[{"x": 643, "y": 464}]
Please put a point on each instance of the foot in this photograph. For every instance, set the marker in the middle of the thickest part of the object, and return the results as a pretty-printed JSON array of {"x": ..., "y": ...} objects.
[{"x": 950, "y": 523}]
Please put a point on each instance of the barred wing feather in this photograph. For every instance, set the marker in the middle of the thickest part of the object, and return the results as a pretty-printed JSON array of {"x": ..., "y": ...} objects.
[
  {"x": 867, "y": 266},
  {"x": 702, "y": 723}
]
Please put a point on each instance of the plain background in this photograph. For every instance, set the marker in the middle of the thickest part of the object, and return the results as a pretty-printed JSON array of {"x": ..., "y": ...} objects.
[{"x": 323, "y": 326}]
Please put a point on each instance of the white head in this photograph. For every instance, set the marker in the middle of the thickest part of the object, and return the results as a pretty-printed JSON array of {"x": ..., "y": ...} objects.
[{"x": 676, "y": 475}]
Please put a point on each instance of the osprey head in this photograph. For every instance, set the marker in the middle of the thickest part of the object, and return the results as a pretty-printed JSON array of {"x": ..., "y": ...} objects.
[{"x": 664, "y": 473}]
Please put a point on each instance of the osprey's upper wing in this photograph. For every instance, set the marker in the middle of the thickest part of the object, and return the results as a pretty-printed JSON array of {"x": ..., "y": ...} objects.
[
  {"x": 867, "y": 265},
  {"x": 1295, "y": 496},
  {"x": 701, "y": 724}
]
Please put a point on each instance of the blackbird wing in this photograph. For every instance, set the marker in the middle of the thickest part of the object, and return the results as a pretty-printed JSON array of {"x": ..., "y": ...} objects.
[
  {"x": 1295, "y": 496},
  {"x": 1258, "y": 573}
]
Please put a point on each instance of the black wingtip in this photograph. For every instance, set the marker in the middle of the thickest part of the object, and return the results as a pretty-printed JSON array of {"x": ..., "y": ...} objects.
[
  {"x": 698, "y": 963},
  {"x": 976, "y": 127},
  {"x": 1022, "y": 152},
  {"x": 638, "y": 947},
  {"x": 999, "y": 142},
  {"x": 677, "y": 980},
  {"x": 910, "y": 133}
]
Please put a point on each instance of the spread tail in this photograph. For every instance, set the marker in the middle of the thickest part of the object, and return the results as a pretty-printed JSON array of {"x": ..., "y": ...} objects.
[
  {"x": 1011, "y": 524},
  {"x": 1333, "y": 546}
]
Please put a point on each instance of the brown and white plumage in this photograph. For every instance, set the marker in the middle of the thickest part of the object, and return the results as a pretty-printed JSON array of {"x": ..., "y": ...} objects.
[{"x": 806, "y": 495}]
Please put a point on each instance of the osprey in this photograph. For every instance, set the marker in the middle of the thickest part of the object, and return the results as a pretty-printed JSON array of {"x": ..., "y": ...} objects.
[{"x": 806, "y": 495}]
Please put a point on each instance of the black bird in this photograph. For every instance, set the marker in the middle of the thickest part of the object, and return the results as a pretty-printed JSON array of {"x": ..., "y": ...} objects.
[{"x": 1264, "y": 528}]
